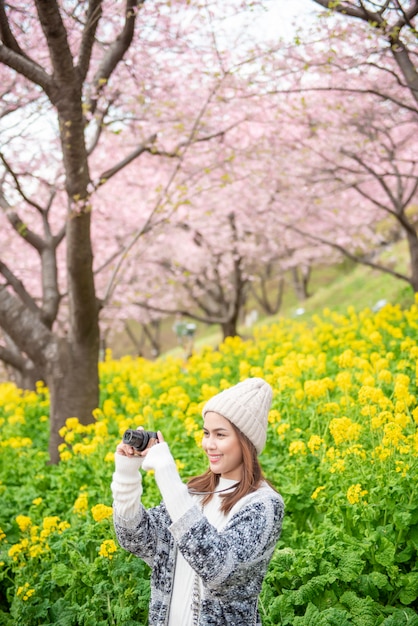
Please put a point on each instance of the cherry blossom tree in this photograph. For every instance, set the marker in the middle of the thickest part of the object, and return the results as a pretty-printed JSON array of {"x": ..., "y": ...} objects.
[
  {"x": 394, "y": 23},
  {"x": 363, "y": 183},
  {"x": 224, "y": 242},
  {"x": 348, "y": 91},
  {"x": 83, "y": 101}
]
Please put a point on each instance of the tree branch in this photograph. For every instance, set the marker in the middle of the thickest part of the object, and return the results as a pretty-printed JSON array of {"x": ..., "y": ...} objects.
[
  {"x": 18, "y": 186},
  {"x": 25, "y": 329},
  {"x": 115, "y": 52},
  {"x": 94, "y": 13},
  {"x": 12, "y": 358},
  {"x": 12, "y": 55},
  {"x": 347, "y": 8},
  {"x": 103, "y": 178},
  {"x": 184, "y": 313},
  {"x": 27, "y": 68},
  {"x": 57, "y": 41},
  {"x": 19, "y": 288},
  {"x": 348, "y": 254}
]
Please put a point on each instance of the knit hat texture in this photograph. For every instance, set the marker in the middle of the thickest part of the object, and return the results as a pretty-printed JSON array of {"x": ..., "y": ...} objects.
[{"x": 247, "y": 406}]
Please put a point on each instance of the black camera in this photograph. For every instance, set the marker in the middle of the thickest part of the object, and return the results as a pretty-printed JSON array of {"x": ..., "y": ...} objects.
[{"x": 138, "y": 439}]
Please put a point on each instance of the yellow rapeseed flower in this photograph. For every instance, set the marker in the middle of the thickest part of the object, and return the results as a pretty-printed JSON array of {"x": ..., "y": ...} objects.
[
  {"x": 402, "y": 468},
  {"x": 343, "y": 429},
  {"x": 85, "y": 449},
  {"x": 346, "y": 359},
  {"x": 145, "y": 390},
  {"x": 343, "y": 381},
  {"x": 101, "y": 512},
  {"x": 338, "y": 467},
  {"x": 81, "y": 504},
  {"x": 369, "y": 410},
  {"x": 355, "y": 493},
  {"x": 382, "y": 453},
  {"x": 317, "y": 491},
  {"x": 315, "y": 443},
  {"x": 107, "y": 548},
  {"x": 297, "y": 447},
  {"x": 24, "y": 522},
  {"x": 72, "y": 423},
  {"x": 318, "y": 388},
  {"x": 207, "y": 391},
  {"x": 402, "y": 419},
  {"x": 329, "y": 407},
  {"x": 18, "y": 548},
  {"x": 380, "y": 419},
  {"x": 282, "y": 428},
  {"x": 36, "y": 550},
  {"x": 355, "y": 450},
  {"x": 274, "y": 416},
  {"x": 385, "y": 376},
  {"x": 376, "y": 338},
  {"x": 100, "y": 429},
  {"x": 16, "y": 442},
  {"x": 25, "y": 592},
  {"x": 65, "y": 455},
  {"x": 49, "y": 525},
  {"x": 393, "y": 434}
]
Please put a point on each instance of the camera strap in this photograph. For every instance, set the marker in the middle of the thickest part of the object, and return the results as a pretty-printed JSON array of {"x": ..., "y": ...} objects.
[{"x": 207, "y": 493}]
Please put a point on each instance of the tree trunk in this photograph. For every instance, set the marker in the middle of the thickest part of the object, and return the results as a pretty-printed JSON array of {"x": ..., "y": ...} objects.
[
  {"x": 73, "y": 382},
  {"x": 229, "y": 328},
  {"x": 27, "y": 377},
  {"x": 412, "y": 240},
  {"x": 70, "y": 364},
  {"x": 301, "y": 276}
]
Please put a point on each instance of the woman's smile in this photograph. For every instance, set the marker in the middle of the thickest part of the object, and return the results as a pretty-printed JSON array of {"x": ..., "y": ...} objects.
[{"x": 222, "y": 446}]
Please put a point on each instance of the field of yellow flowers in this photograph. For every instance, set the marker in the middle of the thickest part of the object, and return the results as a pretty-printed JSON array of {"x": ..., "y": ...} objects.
[{"x": 342, "y": 449}]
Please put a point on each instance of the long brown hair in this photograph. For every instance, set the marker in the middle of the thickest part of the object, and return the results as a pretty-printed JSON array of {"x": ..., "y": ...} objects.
[{"x": 252, "y": 477}]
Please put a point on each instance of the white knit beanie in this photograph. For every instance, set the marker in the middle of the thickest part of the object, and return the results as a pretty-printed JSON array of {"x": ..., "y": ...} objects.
[{"x": 247, "y": 406}]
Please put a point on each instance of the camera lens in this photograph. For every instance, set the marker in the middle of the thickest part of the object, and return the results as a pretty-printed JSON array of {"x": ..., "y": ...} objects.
[
  {"x": 138, "y": 439},
  {"x": 132, "y": 436}
]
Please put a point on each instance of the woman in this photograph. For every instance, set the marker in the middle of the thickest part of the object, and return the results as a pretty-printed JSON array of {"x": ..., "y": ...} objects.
[{"x": 209, "y": 542}]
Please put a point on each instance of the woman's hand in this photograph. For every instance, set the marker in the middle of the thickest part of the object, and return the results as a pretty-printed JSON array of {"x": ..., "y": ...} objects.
[{"x": 125, "y": 449}]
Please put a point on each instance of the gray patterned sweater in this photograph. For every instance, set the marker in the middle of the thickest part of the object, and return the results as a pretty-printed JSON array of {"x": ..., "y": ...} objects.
[{"x": 231, "y": 562}]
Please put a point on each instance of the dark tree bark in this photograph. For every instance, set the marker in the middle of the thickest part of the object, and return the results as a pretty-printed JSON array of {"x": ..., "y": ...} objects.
[
  {"x": 301, "y": 276},
  {"x": 68, "y": 364}
]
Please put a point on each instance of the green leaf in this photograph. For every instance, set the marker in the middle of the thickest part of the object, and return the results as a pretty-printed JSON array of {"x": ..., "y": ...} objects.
[
  {"x": 63, "y": 613},
  {"x": 329, "y": 617},
  {"x": 312, "y": 588},
  {"x": 364, "y": 611},
  {"x": 62, "y": 575},
  {"x": 386, "y": 553},
  {"x": 402, "y": 617},
  {"x": 409, "y": 591},
  {"x": 350, "y": 567}
]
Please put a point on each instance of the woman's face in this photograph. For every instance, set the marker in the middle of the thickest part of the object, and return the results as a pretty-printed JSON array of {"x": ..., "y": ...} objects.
[{"x": 222, "y": 446}]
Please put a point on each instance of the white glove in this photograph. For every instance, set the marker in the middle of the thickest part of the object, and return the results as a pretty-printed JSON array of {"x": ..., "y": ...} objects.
[
  {"x": 127, "y": 486},
  {"x": 174, "y": 492},
  {"x": 159, "y": 457}
]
